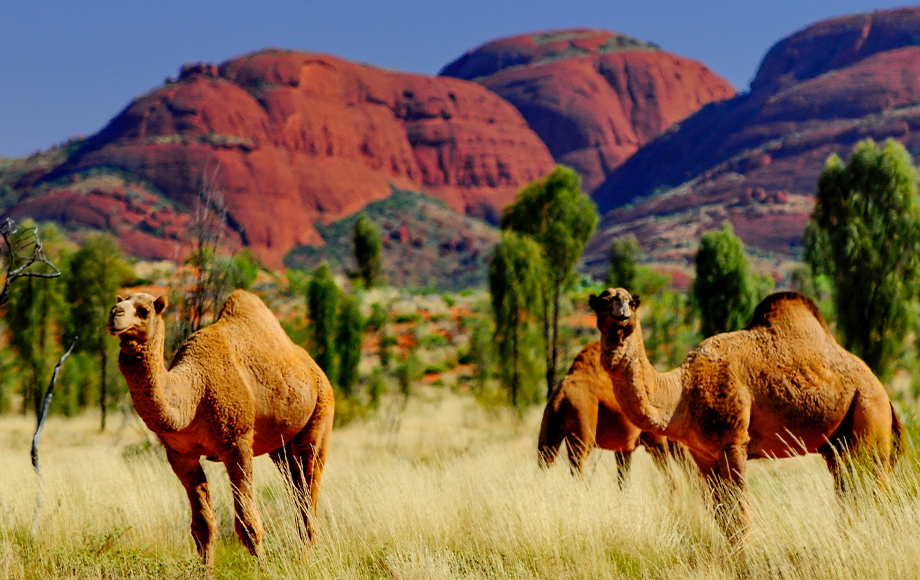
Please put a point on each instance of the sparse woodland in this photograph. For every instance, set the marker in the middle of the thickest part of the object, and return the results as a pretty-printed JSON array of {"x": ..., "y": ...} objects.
[{"x": 433, "y": 469}]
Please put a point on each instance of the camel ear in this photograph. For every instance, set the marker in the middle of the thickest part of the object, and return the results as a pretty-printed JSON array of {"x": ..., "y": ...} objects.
[
  {"x": 636, "y": 301},
  {"x": 160, "y": 304},
  {"x": 595, "y": 303}
]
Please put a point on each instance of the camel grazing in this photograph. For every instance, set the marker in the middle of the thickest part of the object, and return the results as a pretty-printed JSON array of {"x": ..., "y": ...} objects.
[
  {"x": 780, "y": 387},
  {"x": 234, "y": 390},
  {"x": 584, "y": 412}
]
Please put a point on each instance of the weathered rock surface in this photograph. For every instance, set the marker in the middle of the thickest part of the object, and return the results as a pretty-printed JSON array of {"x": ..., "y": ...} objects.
[
  {"x": 754, "y": 160},
  {"x": 594, "y": 97},
  {"x": 292, "y": 139}
]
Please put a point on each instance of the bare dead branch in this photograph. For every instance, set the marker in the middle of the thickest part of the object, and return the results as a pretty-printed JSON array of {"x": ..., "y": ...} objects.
[
  {"x": 211, "y": 280},
  {"x": 19, "y": 259},
  {"x": 38, "y": 432}
]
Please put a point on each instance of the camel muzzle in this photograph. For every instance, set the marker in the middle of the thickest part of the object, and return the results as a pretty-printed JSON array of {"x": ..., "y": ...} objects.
[
  {"x": 115, "y": 313},
  {"x": 620, "y": 312}
]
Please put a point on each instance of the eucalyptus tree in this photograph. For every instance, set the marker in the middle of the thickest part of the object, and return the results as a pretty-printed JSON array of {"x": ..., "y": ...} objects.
[
  {"x": 865, "y": 235},
  {"x": 367, "y": 245},
  {"x": 348, "y": 337},
  {"x": 516, "y": 274},
  {"x": 623, "y": 263},
  {"x": 322, "y": 307},
  {"x": 34, "y": 303},
  {"x": 95, "y": 273},
  {"x": 724, "y": 291},
  {"x": 560, "y": 218}
]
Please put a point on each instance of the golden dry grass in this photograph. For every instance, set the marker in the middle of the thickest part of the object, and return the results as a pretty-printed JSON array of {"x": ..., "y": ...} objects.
[{"x": 441, "y": 490}]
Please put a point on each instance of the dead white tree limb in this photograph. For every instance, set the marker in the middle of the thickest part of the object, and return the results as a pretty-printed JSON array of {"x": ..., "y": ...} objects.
[
  {"x": 38, "y": 432},
  {"x": 24, "y": 256}
]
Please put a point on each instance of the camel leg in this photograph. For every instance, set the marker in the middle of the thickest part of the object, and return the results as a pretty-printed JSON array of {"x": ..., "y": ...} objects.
[
  {"x": 726, "y": 479},
  {"x": 624, "y": 462},
  {"x": 290, "y": 466},
  {"x": 248, "y": 522},
  {"x": 578, "y": 449},
  {"x": 872, "y": 434},
  {"x": 550, "y": 439},
  {"x": 835, "y": 456},
  {"x": 579, "y": 441},
  {"x": 659, "y": 448},
  {"x": 732, "y": 493},
  {"x": 866, "y": 434},
  {"x": 306, "y": 459},
  {"x": 204, "y": 524}
]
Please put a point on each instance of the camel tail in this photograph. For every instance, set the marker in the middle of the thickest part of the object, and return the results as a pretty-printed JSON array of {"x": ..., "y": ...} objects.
[
  {"x": 550, "y": 439},
  {"x": 897, "y": 439}
]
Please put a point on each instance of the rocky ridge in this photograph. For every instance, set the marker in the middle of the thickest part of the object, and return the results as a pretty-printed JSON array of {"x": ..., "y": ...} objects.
[
  {"x": 593, "y": 96},
  {"x": 754, "y": 160},
  {"x": 290, "y": 139}
]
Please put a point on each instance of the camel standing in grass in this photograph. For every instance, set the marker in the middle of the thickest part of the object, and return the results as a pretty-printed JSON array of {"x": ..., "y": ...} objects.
[
  {"x": 236, "y": 389},
  {"x": 780, "y": 387},
  {"x": 584, "y": 412}
]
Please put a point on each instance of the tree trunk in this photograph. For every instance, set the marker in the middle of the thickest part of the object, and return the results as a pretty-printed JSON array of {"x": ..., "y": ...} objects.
[
  {"x": 551, "y": 373},
  {"x": 547, "y": 348},
  {"x": 515, "y": 376},
  {"x": 103, "y": 385}
]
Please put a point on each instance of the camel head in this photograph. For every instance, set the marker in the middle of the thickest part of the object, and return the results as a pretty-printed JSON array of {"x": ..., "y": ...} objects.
[
  {"x": 136, "y": 317},
  {"x": 616, "y": 309}
]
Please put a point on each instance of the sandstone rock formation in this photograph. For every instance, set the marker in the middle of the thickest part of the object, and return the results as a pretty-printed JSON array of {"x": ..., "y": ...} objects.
[
  {"x": 593, "y": 96},
  {"x": 292, "y": 138},
  {"x": 754, "y": 160}
]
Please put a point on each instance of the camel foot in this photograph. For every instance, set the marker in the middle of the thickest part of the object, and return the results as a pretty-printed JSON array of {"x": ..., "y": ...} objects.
[{"x": 251, "y": 538}]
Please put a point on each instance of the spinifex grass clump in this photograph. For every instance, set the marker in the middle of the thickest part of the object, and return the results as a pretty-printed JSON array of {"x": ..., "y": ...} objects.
[{"x": 450, "y": 491}]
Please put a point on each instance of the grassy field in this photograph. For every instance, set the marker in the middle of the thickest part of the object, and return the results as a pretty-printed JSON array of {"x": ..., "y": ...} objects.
[{"x": 442, "y": 489}]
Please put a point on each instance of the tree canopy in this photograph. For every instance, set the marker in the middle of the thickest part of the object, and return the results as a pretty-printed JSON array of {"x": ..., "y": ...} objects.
[
  {"x": 322, "y": 305},
  {"x": 560, "y": 218},
  {"x": 865, "y": 235},
  {"x": 367, "y": 245},
  {"x": 96, "y": 272},
  {"x": 623, "y": 264},
  {"x": 724, "y": 291},
  {"x": 515, "y": 276},
  {"x": 34, "y": 312},
  {"x": 348, "y": 342}
]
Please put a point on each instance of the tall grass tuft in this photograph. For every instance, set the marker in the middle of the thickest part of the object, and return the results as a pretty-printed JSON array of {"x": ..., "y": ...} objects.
[{"x": 449, "y": 491}]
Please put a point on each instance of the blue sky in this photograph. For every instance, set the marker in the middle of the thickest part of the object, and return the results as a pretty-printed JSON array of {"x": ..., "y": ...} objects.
[{"x": 66, "y": 68}]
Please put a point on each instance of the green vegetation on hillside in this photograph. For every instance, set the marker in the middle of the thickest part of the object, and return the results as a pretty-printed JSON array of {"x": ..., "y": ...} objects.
[{"x": 425, "y": 244}]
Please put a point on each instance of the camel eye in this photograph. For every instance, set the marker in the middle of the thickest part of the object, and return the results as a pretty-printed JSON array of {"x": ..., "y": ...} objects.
[{"x": 142, "y": 312}]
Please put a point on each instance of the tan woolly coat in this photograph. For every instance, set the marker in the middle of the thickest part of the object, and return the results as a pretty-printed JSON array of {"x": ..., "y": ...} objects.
[
  {"x": 782, "y": 386},
  {"x": 584, "y": 412},
  {"x": 234, "y": 390}
]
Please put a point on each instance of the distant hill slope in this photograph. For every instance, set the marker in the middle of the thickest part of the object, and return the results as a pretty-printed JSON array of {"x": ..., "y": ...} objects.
[
  {"x": 291, "y": 139},
  {"x": 426, "y": 244},
  {"x": 754, "y": 160},
  {"x": 594, "y": 97}
]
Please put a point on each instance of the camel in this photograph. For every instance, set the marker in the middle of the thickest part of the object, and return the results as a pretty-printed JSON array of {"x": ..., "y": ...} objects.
[
  {"x": 584, "y": 412},
  {"x": 780, "y": 387},
  {"x": 234, "y": 390}
]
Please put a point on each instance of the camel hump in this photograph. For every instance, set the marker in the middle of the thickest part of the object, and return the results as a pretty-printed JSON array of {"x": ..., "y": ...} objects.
[
  {"x": 589, "y": 356},
  {"x": 241, "y": 303},
  {"x": 782, "y": 305}
]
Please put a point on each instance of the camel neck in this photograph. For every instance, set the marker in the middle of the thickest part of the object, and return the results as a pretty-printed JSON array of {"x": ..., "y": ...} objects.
[
  {"x": 163, "y": 401},
  {"x": 648, "y": 398}
]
